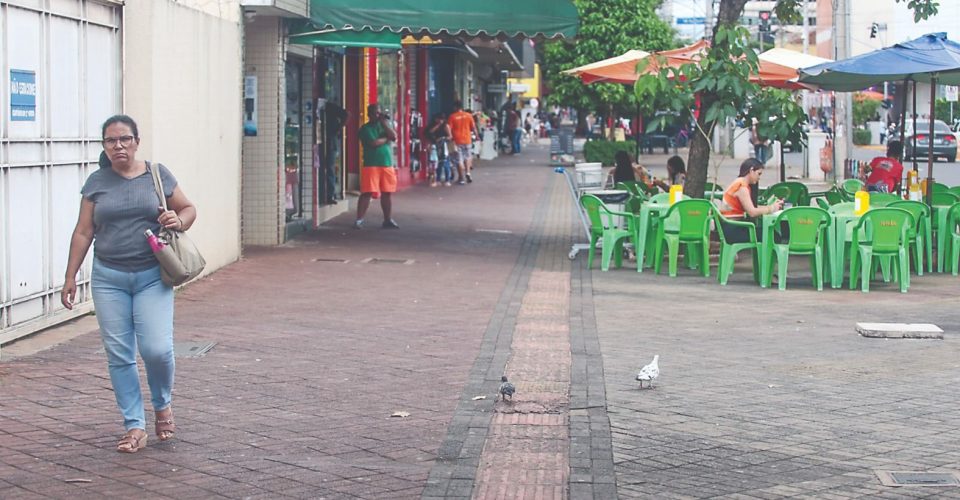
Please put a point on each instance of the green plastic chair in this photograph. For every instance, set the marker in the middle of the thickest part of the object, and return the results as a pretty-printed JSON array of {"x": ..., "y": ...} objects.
[
  {"x": 920, "y": 236},
  {"x": 808, "y": 236},
  {"x": 660, "y": 198},
  {"x": 851, "y": 186},
  {"x": 612, "y": 237},
  {"x": 631, "y": 187},
  {"x": 835, "y": 195},
  {"x": 729, "y": 251},
  {"x": 822, "y": 203},
  {"x": 953, "y": 222},
  {"x": 795, "y": 193},
  {"x": 775, "y": 191},
  {"x": 880, "y": 235},
  {"x": 939, "y": 187},
  {"x": 955, "y": 190},
  {"x": 945, "y": 198},
  {"x": 712, "y": 191},
  {"x": 633, "y": 203},
  {"x": 686, "y": 222},
  {"x": 883, "y": 199}
]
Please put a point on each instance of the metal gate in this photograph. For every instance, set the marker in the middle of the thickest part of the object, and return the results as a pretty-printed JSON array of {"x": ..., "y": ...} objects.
[{"x": 61, "y": 68}]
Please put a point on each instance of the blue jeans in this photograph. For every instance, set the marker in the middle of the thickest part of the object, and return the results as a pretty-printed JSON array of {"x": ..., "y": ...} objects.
[
  {"x": 516, "y": 135},
  {"x": 444, "y": 173},
  {"x": 330, "y": 171},
  {"x": 135, "y": 312}
]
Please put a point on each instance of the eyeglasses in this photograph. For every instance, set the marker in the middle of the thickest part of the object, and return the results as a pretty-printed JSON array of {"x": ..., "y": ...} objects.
[{"x": 124, "y": 140}]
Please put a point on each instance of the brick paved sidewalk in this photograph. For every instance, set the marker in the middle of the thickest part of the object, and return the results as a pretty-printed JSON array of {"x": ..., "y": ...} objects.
[{"x": 317, "y": 345}]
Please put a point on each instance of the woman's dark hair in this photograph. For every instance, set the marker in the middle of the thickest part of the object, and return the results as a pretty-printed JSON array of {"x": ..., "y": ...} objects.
[
  {"x": 749, "y": 165},
  {"x": 894, "y": 149},
  {"x": 623, "y": 171},
  {"x": 437, "y": 117},
  {"x": 675, "y": 167},
  {"x": 124, "y": 119}
]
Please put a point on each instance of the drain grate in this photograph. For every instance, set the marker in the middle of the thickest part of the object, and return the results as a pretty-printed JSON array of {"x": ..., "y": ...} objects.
[
  {"x": 913, "y": 478},
  {"x": 338, "y": 261},
  {"x": 185, "y": 349},
  {"x": 375, "y": 260}
]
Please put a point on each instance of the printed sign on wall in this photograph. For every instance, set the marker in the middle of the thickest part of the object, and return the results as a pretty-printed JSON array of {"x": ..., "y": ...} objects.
[
  {"x": 250, "y": 106},
  {"x": 23, "y": 95}
]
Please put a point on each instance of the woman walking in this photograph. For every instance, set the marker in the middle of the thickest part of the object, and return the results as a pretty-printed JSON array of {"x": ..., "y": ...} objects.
[{"x": 134, "y": 307}]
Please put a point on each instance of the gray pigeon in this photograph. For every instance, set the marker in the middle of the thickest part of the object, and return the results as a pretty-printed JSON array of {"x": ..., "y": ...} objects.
[{"x": 506, "y": 388}]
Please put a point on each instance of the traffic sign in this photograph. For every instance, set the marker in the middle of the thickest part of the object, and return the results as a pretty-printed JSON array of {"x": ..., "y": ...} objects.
[{"x": 691, "y": 20}]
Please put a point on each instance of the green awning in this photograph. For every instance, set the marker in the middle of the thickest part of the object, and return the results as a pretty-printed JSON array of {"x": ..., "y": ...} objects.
[
  {"x": 526, "y": 18},
  {"x": 307, "y": 34}
]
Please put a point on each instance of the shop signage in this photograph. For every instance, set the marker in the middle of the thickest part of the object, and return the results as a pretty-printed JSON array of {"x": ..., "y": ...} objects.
[
  {"x": 690, "y": 20},
  {"x": 950, "y": 92},
  {"x": 23, "y": 95}
]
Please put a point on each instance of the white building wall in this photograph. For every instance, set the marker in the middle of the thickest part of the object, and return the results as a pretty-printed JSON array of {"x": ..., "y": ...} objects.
[
  {"x": 263, "y": 193},
  {"x": 183, "y": 87}
]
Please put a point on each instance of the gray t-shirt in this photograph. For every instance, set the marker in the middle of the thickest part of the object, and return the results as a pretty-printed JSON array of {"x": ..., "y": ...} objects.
[{"x": 123, "y": 209}]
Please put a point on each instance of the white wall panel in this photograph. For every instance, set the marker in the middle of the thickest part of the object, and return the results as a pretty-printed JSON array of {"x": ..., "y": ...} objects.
[
  {"x": 64, "y": 208},
  {"x": 25, "y": 229},
  {"x": 65, "y": 88},
  {"x": 103, "y": 77},
  {"x": 24, "y": 49},
  {"x": 73, "y": 47}
]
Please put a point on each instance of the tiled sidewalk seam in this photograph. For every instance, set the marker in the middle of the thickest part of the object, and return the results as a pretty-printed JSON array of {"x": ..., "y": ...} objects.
[
  {"x": 458, "y": 458},
  {"x": 591, "y": 440},
  {"x": 526, "y": 451}
]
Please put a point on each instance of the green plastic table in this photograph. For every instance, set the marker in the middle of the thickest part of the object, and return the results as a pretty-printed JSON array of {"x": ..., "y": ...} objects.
[
  {"x": 839, "y": 233},
  {"x": 647, "y": 210}
]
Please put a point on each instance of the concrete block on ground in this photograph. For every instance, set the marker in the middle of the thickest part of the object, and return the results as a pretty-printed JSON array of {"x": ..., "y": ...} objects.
[{"x": 900, "y": 330}]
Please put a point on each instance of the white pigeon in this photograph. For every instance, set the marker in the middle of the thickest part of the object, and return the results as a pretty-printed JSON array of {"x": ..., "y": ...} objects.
[{"x": 650, "y": 372}]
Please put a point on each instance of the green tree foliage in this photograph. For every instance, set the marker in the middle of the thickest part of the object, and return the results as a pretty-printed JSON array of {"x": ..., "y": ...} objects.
[
  {"x": 864, "y": 111},
  {"x": 608, "y": 28}
]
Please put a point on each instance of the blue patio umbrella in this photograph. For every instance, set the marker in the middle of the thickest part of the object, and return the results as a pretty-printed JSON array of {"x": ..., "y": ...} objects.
[
  {"x": 920, "y": 60},
  {"x": 932, "y": 59}
]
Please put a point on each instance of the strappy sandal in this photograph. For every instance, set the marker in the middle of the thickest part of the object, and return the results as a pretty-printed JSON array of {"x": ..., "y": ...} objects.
[
  {"x": 131, "y": 443},
  {"x": 165, "y": 428}
]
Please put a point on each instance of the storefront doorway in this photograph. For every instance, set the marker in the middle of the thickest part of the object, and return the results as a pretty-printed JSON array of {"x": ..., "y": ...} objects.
[{"x": 292, "y": 141}]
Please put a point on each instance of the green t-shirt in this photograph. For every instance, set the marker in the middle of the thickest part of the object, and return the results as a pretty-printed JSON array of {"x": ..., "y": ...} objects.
[{"x": 375, "y": 156}]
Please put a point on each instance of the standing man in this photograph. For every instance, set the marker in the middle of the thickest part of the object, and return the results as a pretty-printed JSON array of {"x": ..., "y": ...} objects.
[
  {"x": 462, "y": 127},
  {"x": 334, "y": 118},
  {"x": 377, "y": 174},
  {"x": 513, "y": 128}
]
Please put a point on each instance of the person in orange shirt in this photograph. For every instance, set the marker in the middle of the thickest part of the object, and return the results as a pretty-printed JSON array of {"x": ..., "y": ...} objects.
[
  {"x": 462, "y": 127},
  {"x": 740, "y": 200}
]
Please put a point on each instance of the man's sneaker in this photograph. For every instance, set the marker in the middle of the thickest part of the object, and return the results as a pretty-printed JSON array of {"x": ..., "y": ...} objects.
[
  {"x": 358, "y": 224},
  {"x": 461, "y": 183},
  {"x": 390, "y": 224},
  {"x": 469, "y": 178},
  {"x": 447, "y": 184}
]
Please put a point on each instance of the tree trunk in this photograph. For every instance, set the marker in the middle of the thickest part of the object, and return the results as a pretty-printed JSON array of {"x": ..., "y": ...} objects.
[{"x": 698, "y": 161}]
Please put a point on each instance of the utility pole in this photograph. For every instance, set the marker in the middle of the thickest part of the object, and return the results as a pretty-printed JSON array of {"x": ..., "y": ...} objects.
[
  {"x": 843, "y": 112},
  {"x": 806, "y": 27}
]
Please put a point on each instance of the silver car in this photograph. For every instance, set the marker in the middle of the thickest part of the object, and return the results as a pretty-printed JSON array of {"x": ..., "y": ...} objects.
[{"x": 944, "y": 141}]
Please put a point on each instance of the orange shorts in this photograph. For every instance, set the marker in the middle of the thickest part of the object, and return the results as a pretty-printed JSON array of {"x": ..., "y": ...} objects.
[{"x": 378, "y": 180}]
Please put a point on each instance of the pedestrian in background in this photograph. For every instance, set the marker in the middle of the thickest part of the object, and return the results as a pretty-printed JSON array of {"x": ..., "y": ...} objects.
[
  {"x": 134, "y": 307},
  {"x": 760, "y": 143},
  {"x": 463, "y": 128},
  {"x": 334, "y": 117},
  {"x": 377, "y": 176},
  {"x": 513, "y": 129},
  {"x": 438, "y": 134}
]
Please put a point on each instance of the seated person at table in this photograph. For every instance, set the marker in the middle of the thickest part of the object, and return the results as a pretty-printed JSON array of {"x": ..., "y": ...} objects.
[
  {"x": 625, "y": 170},
  {"x": 740, "y": 200},
  {"x": 676, "y": 174},
  {"x": 886, "y": 171}
]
